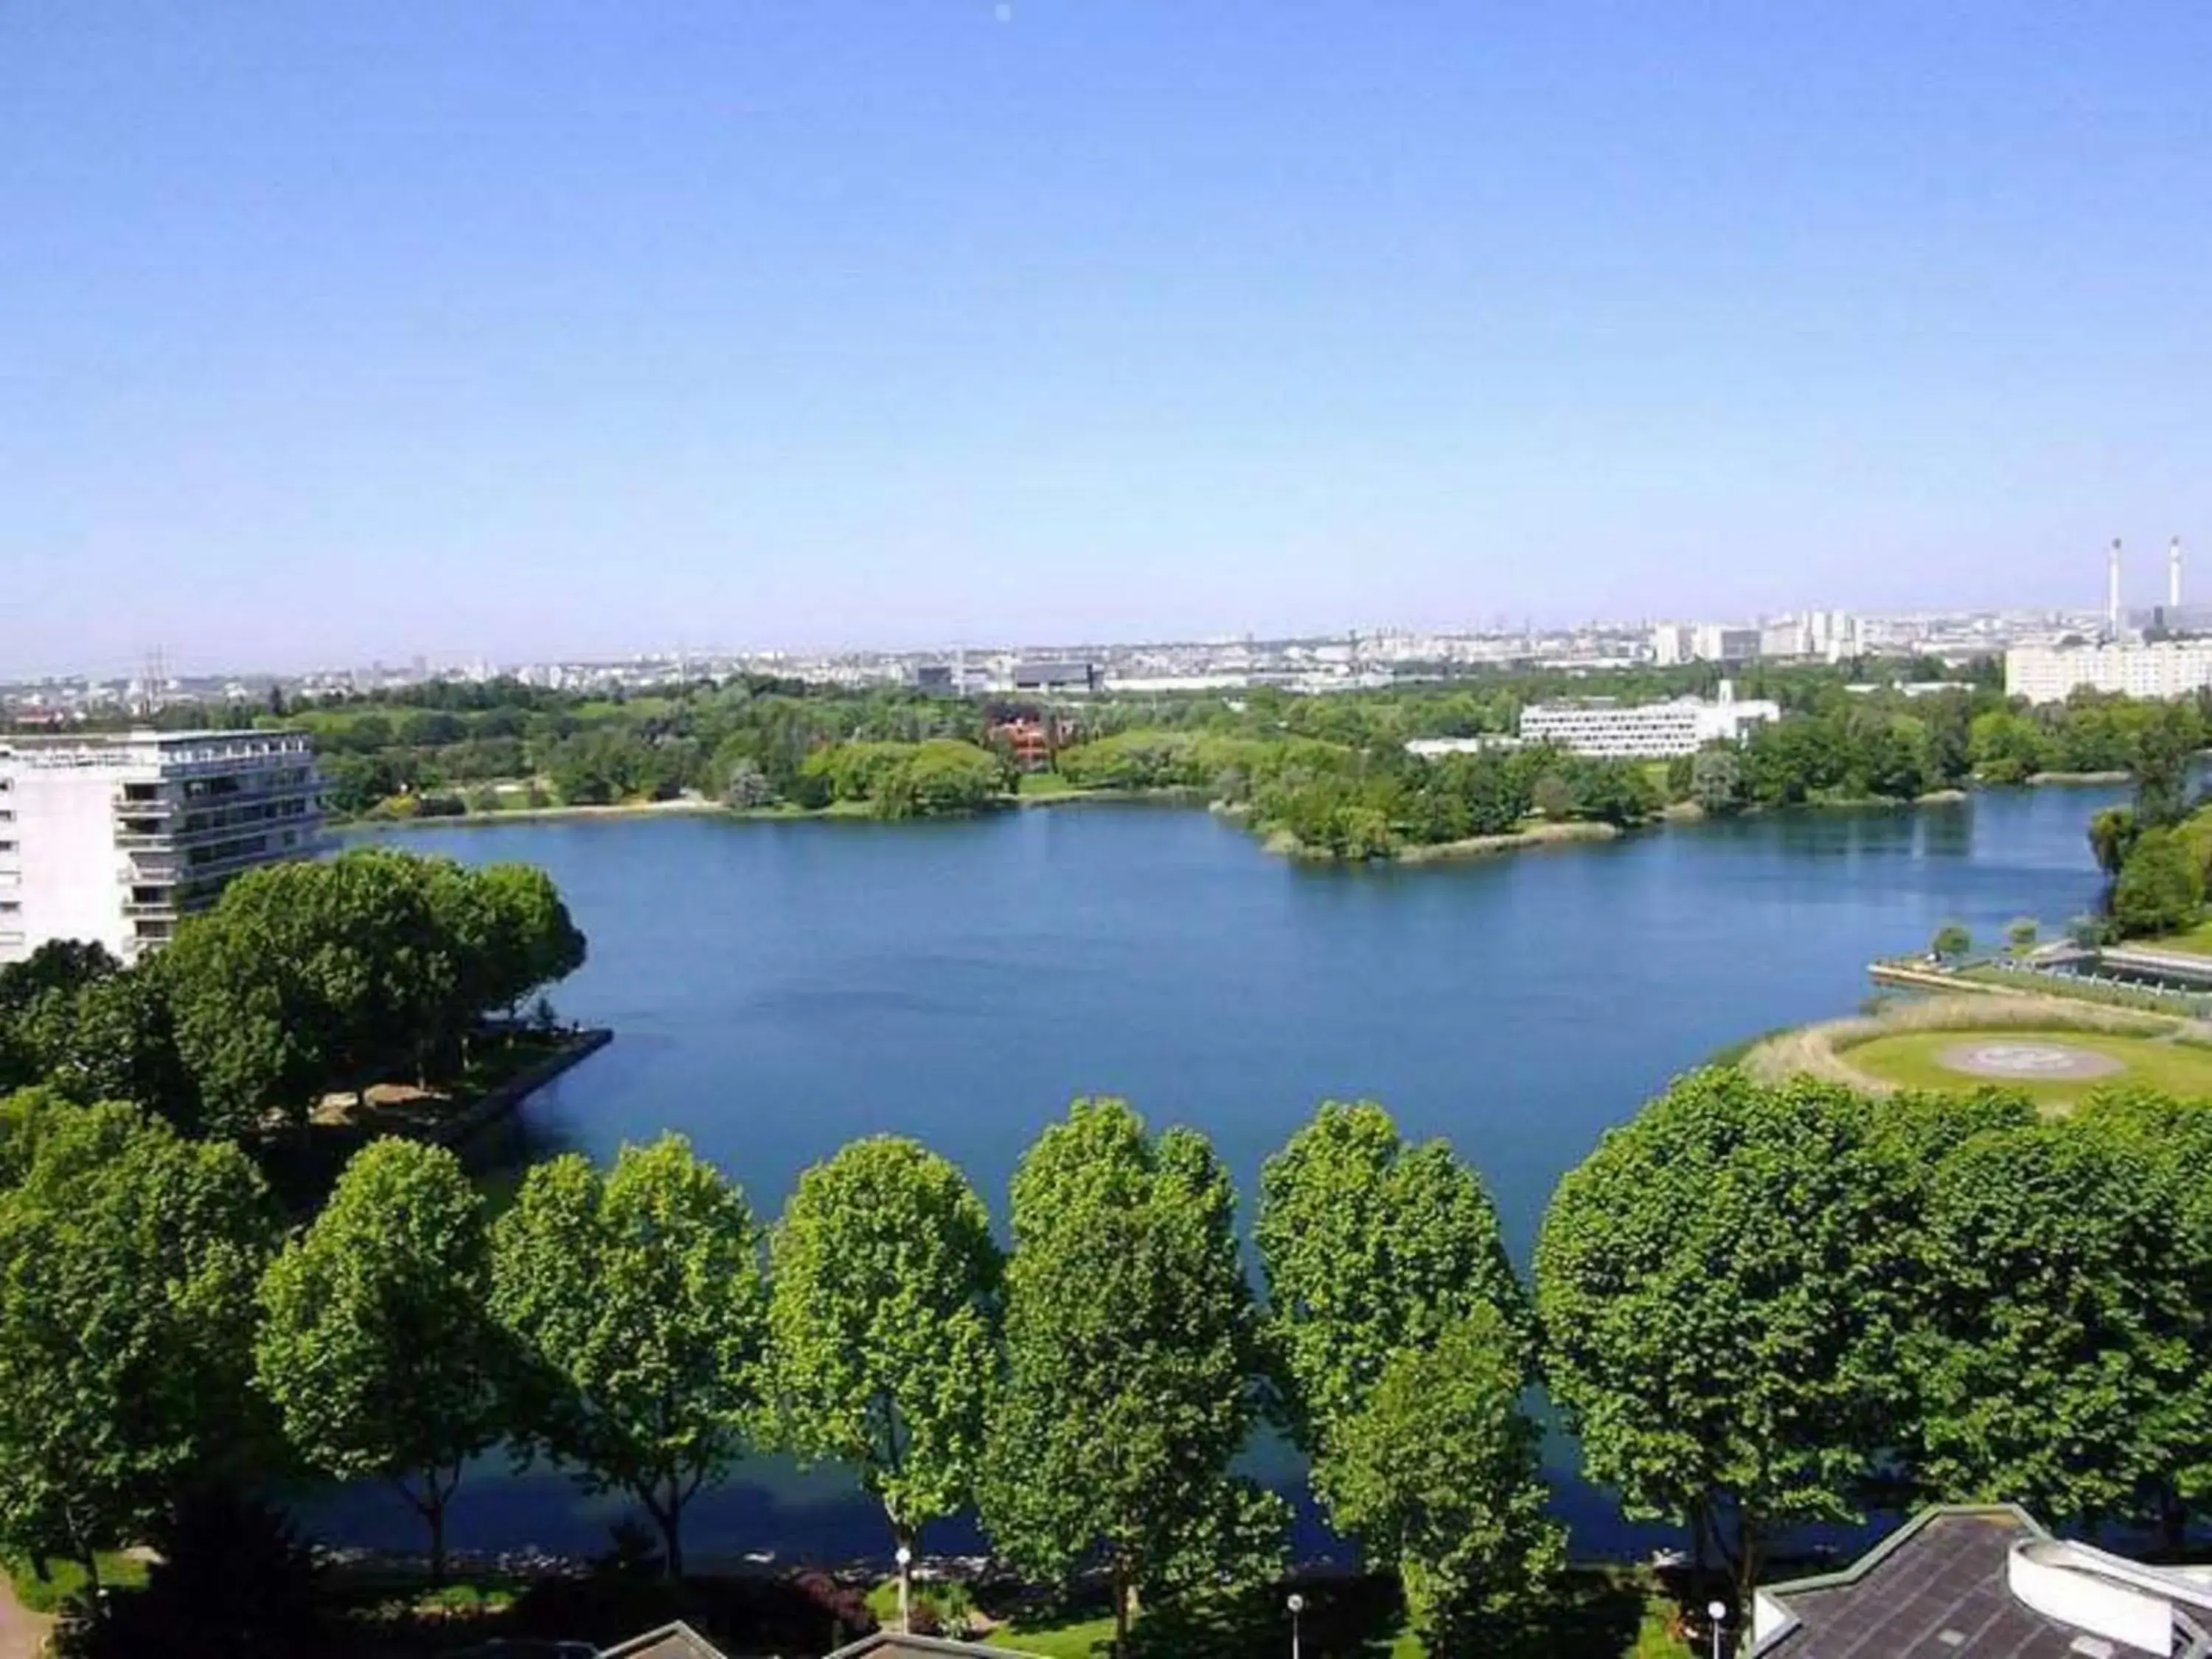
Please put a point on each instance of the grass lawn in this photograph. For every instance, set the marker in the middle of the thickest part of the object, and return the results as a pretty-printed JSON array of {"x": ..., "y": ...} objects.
[
  {"x": 1601, "y": 1613},
  {"x": 1911, "y": 1060},
  {"x": 68, "y": 1579},
  {"x": 2197, "y": 941},
  {"x": 1082, "y": 1640},
  {"x": 1047, "y": 786}
]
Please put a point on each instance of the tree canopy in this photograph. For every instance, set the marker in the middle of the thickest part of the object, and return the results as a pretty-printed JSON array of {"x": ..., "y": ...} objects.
[
  {"x": 884, "y": 1325},
  {"x": 637, "y": 1300},
  {"x": 128, "y": 1261},
  {"x": 1131, "y": 1355},
  {"x": 376, "y": 1342},
  {"x": 1714, "y": 1283}
]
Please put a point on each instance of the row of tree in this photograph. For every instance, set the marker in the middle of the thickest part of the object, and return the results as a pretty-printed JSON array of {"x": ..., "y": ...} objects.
[
  {"x": 1757, "y": 1306},
  {"x": 302, "y": 978}
]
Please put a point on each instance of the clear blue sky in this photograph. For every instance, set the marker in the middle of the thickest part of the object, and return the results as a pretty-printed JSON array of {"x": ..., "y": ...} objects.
[{"x": 530, "y": 326}]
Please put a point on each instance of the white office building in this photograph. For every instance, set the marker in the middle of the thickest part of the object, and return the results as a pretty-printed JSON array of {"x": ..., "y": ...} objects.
[
  {"x": 1644, "y": 731},
  {"x": 112, "y": 839},
  {"x": 2160, "y": 668}
]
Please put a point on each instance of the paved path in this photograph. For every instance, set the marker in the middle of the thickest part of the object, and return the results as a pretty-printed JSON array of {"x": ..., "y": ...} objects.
[{"x": 22, "y": 1633}]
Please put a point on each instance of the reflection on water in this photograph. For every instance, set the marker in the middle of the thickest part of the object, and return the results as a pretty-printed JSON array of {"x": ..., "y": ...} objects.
[{"x": 779, "y": 988}]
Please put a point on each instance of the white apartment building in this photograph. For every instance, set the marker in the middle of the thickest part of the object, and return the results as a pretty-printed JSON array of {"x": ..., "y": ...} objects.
[
  {"x": 112, "y": 838},
  {"x": 2163, "y": 668},
  {"x": 1643, "y": 730},
  {"x": 1680, "y": 642}
]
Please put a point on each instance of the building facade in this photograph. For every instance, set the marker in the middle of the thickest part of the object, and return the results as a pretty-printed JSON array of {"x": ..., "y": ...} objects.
[
  {"x": 1673, "y": 643},
  {"x": 2162, "y": 668},
  {"x": 113, "y": 839},
  {"x": 1643, "y": 730}
]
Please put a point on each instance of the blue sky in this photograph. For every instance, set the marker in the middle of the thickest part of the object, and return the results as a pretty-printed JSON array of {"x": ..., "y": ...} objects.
[{"x": 517, "y": 327}]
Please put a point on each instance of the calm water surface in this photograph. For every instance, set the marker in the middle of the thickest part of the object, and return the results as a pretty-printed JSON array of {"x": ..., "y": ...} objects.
[{"x": 779, "y": 988}]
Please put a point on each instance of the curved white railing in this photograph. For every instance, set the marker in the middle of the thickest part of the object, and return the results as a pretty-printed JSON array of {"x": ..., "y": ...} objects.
[{"x": 2143, "y": 1609}]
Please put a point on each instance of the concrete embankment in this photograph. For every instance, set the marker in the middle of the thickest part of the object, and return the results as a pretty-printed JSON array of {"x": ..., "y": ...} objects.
[{"x": 498, "y": 1104}]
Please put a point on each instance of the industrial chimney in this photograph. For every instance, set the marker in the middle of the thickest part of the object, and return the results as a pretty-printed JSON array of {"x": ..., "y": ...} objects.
[
  {"x": 2112, "y": 592},
  {"x": 2173, "y": 574}
]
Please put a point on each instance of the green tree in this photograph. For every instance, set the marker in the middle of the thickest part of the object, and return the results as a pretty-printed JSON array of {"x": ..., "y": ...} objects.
[
  {"x": 2042, "y": 1352},
  {"x": 1952, "y": 941},
  {"x": 883, "y": 1326},
  {"x": 2021, "y": 936},
  {"x": 1714, "y": 1286},
  {"x": 1716, "y": 780},
  {"x": 638, "y": 1299},
  {"x": 1439, "y": 1469},
  {"x": 745, "y": 785},
  {"x": 2160, "y": 888},
  {"x": 2173, "y": 1139},
  {"x": 2005, "y": 747},
  {"x": 128, "y": 1258},
  {"x": 376, "y": 1344},
  {"x": 1130, "y": 1360},
  {"x": 1370, "y": 1246},
  {"x": 2113, "y": 835}
]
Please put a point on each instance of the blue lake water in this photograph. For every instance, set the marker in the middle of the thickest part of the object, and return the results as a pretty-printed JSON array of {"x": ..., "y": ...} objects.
[{"x": 779, "y": 988}]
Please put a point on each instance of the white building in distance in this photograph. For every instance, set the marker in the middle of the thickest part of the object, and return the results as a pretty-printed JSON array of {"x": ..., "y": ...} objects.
[
  {"x": 1680, "y": 642},
  {"x": 1644, "y": 731},
  {"x": 112, "y": 838},
  {"x": 2160, "y": 668}
]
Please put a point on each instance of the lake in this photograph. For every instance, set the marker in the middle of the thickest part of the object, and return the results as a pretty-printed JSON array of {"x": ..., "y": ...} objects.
[{"x": 778, "y": 988}]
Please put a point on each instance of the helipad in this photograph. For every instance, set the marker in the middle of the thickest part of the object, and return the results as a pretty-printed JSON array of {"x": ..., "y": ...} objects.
[{"x": 2036, "y": 1061}]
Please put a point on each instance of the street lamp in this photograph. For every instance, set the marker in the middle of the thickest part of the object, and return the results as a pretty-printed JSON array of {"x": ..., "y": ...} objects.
[
  {"x": 905, "y": 1559},
  {"x": 1296, "y": 1604},
  {"x": 1718, "y": 1612}
]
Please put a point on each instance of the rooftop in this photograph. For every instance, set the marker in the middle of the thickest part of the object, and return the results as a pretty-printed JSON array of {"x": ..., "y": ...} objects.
[{"x": 1985, "y": 1583}]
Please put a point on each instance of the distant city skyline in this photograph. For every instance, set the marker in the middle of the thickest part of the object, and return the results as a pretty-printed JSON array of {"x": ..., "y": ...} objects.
[{"x": 335, "y": 333}]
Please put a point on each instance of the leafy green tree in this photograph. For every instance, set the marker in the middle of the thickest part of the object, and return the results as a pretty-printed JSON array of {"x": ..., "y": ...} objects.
[
  {"x": 1714, "y": 1283},
  {"x": 1131, "y": 1360},
  {"x": 376, "y": 1344},
  {"x": 2166, "y": 740},
  {"x": 52, "y": 978},
  {"x": 884, "y": 1323},
  {"x": 2007, "y": 748},
  {"x": 1439, "y": 1468},
  {"x": 2044, "y": 1349},
  {"x": 2021, "y": 936},
  {"x": 746, "y": 786},
  {"x": 128, "y": 1258},
  {"x": 637, "y": 1296},
  {"x": 120, "y": 1043},
  {"x": 534, "y": 941},
  {"x": 1370, "y": 1246},
  {"x": 2113, "y": 835},
  {"x": 1952, "y": 941},
  {"x": 255, "y": 1035},
  {"x": 2173, "y": 1138},
  {"x": 1716, "y": 780},
  {"x": 2160, "y": 888}
]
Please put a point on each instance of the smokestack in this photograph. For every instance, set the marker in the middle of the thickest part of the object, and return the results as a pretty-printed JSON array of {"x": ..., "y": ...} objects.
[
  {"x": 2173, "y": 574},
  {"x": 2113, "y": 591}
]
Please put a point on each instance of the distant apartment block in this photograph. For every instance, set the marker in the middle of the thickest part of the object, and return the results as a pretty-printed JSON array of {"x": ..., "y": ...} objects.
[
  {"x": 1643, "y": 730},
  {"x": 113, "y": 839},
  {"x": 2163, "y": 668},
  {"x": 1672, "y": 643}
]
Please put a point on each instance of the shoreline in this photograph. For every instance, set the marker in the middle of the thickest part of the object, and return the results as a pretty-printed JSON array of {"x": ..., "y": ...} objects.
[{"x": 1570, "y": 833}]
